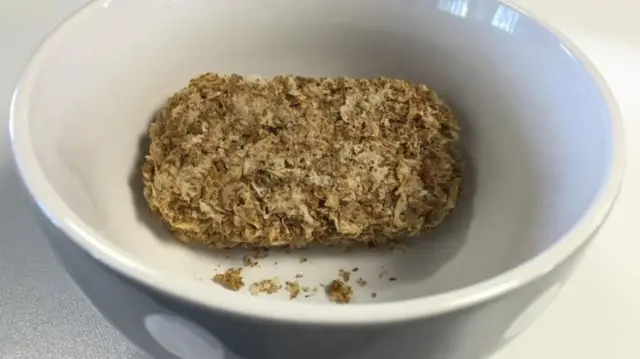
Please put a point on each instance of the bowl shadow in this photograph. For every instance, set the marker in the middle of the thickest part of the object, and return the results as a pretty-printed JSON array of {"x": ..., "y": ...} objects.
[
  {"x": 136, "y": 186},
  {"x": 147, "y": 218},
  {"x": 427, "y": 253}
]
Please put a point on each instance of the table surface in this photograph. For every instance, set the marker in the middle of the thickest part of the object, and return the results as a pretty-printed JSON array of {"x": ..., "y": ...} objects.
[{"x": 43, "y": 315}]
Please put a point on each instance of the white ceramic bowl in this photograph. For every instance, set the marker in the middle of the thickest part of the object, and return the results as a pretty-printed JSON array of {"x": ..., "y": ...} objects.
[{"x": 541, "y": 131}]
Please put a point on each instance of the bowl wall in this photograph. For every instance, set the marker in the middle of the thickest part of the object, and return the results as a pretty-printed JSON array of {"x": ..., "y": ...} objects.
[{"x": 536, "y": 129}]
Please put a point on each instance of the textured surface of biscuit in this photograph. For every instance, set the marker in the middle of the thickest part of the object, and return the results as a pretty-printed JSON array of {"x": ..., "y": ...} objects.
[{"x": 293, "y": 161}]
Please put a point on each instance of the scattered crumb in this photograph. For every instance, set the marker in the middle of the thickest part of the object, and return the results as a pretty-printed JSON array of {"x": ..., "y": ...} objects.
[
  {"x": 275, "y": 263},
  {"x": 226, "y": 257},
  {"x": 361, "y": 282},
  {"x": 268, "y": 286},
  {"x": 355, "y": 269},
  {"x": 306, "y": 289},
  {"x": 345, "y": 275},
  {"x": 374, "y": 294},
  {"x": 302, "y": 260},
  {"x": 249, "y": 261},
  {"x": 393, "y": 279},
  {"x": 293, "y": 288},
  {"x": 299, "y": 275},
  {"x": 230, "y": 279},
  {"x": 339, "y": 292},
  {"x": 383, "y": 272},
  {"x": 260, "y": 253}
]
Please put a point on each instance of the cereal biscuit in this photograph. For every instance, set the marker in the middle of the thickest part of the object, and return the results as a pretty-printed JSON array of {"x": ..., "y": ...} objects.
[{"x": 294, "y": 161}]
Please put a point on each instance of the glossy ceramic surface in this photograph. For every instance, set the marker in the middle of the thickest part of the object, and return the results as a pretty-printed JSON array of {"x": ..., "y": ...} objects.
[
  {"x": 534, "y": 190},
  {"x": 167, "y": 327}
]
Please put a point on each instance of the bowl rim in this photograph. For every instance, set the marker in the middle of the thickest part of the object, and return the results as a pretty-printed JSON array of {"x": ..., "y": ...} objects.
[{"x": 56, "y": 211}]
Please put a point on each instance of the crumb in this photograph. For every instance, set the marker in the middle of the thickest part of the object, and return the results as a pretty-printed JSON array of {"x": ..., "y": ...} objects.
[
  {"x": 345, "y": 275},
  {"x": 339, "y": 292},
  {"x": 275, "y": 263},
  {"x": 310, "y": 291},
  {"x": 230, "y": 279},
  {"x": 302, "y": 260},
  {"x": 361, "y": 282},
  {"x": 259, "y": 253},
  {"x": 268, "y": 286},
  {"x": 293, "y": 288},
  {"x": 374, "y": 294},
  {"x": 299, "y": 275},
  {"x": 382, "y": 274},
  {"x": 393, "y": 279},
  {"x": 226, "y": 257},
  {"x": 355, "y": 269},
  {"x": 299, "y": 144},
  {"x": 249, "y": 261}
]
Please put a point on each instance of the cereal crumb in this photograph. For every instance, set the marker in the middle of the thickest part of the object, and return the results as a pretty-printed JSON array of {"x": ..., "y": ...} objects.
[
  {"x": 311, "y": 291},
  {"x": 383, "y": 273},
  {"x": 249, "y": 261},
  {"x": 302, "y": 260},
  {"x": 293, "y": 288},
  {"x": 299, "y": 275},
  {"x": 393, "y": 279},
  {"x": 339, "y": 292},
  {"x": 361, "y": 282},
  {"x": 374, "y": 294},
  {"x": 355, "y": 269},
  {"x": 260, "y": 253},
  {"x": 345, "y": 275},
  {"x": 268, "y": 286},
  {"x": 230, "y": 279}
]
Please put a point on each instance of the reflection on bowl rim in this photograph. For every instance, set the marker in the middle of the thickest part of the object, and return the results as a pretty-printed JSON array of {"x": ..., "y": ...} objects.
[{"x": 107, "y": 253}]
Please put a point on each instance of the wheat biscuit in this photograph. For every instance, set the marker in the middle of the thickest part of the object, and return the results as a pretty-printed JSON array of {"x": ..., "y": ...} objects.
[{"x": 292, "y": 161}]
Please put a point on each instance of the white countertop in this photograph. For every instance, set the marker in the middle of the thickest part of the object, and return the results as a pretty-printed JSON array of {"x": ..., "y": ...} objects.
[{"x": 597, "y": 315}]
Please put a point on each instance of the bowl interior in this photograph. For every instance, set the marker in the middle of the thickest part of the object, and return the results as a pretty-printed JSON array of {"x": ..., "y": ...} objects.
[{"x": 536, "y": 129}]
